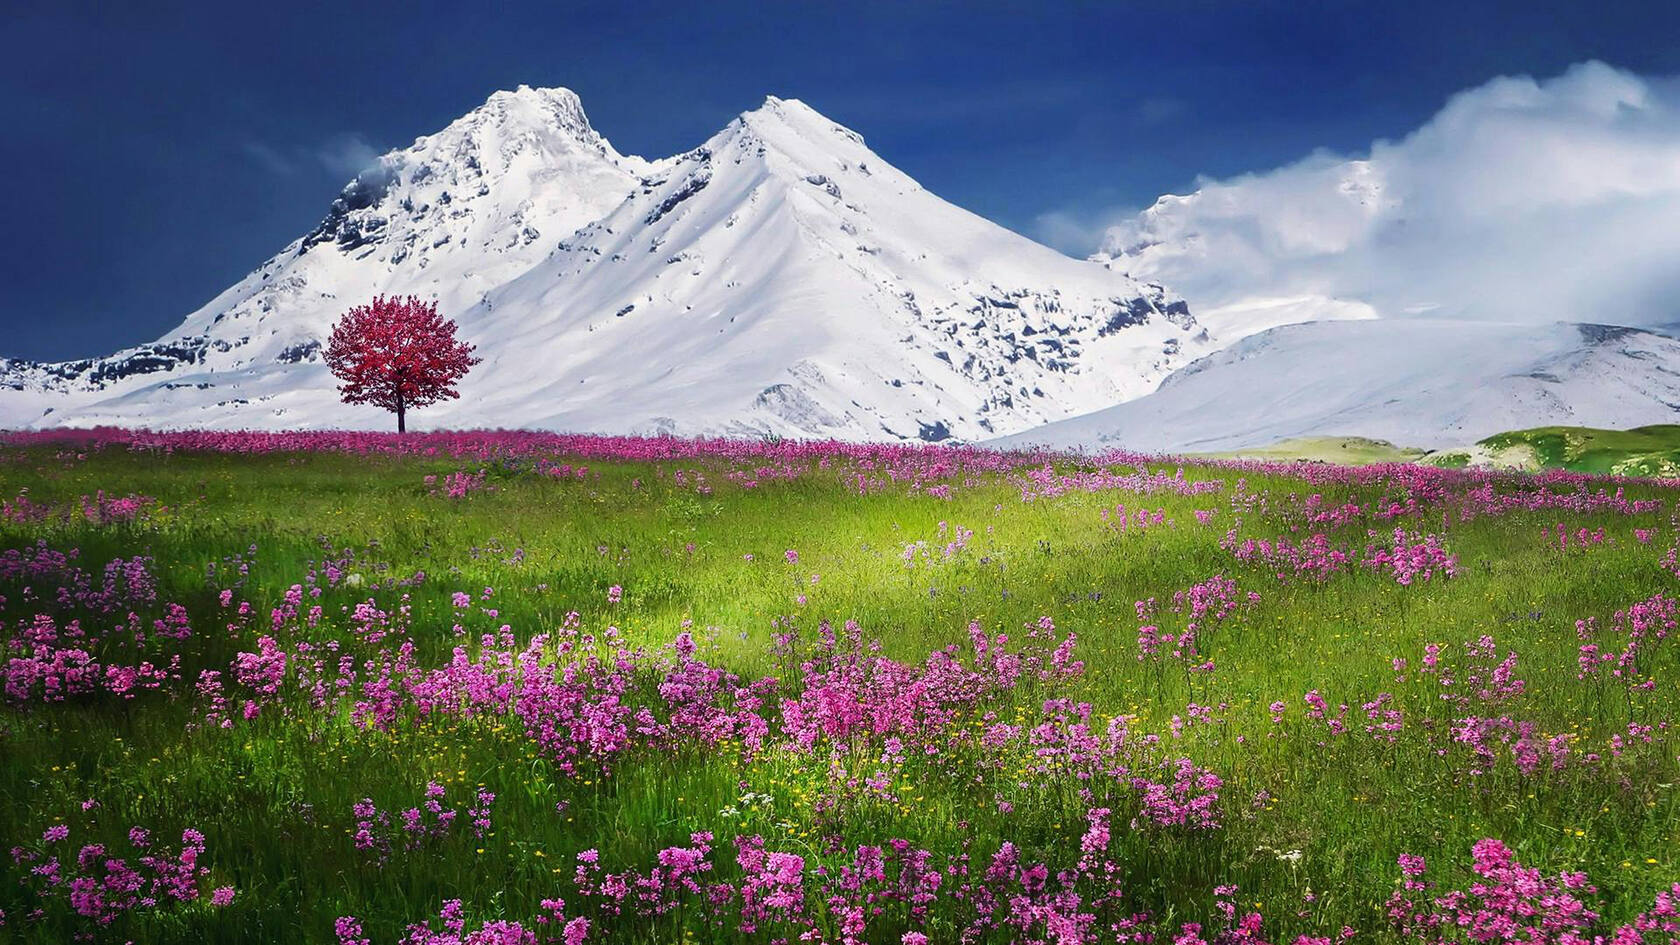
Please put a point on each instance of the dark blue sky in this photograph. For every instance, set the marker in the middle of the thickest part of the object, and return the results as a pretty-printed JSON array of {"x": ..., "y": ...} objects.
[{"x": 155, "y": 156}]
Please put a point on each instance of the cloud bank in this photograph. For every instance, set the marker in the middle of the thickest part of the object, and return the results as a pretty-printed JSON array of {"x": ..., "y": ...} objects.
[{"x": 1520, "y": 201}]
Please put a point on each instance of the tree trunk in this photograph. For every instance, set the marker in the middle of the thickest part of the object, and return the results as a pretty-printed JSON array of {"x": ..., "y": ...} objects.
[{"x": 402, "y": 427}]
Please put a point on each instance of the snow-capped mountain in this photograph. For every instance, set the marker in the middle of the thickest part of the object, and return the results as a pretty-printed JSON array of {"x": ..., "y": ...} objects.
[
  {"x": 450, "y": 217},
  {"x": 780, "y": 278},
  {"x": 1412, "y": 381}
]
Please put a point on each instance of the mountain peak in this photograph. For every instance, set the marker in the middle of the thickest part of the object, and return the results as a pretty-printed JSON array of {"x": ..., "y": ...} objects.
[
  {"x": 525, "y": 93},
  {"x": 792, "y": 111},
  {"x": 797, "y": 131},
  {"x": 534, "y": 107},
  {"x": 486, "y": 169},
  {"x": 774, "y": 103}
]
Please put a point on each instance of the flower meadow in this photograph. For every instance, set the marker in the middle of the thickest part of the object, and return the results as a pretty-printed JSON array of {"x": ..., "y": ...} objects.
[{"x": 514, "y": 688}]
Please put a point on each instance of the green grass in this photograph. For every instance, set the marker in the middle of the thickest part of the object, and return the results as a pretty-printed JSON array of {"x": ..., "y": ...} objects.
[{"x": 274, "y": 795}]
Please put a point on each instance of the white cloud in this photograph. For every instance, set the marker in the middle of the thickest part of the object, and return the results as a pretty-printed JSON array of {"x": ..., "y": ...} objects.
[
  {"x": 1074, "y": 232},
  {"x": 341, "y": 156},
  {"x": 346, "y": 155},
  {"x": 1520, "y": 200}
]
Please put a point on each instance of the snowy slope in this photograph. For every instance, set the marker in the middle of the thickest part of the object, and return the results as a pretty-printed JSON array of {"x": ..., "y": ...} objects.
[
  {"x": 1414, "y": 382},
  {"x": 781, "y": 278}
]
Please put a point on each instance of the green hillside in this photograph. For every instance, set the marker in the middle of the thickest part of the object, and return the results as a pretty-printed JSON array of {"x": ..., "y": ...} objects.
[
  {"x": 1652, "y": 451},
  {"x": 1643, "y": 451}
]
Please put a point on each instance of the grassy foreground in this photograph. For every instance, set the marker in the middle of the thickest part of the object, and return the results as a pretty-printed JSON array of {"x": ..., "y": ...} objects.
[{"x": 653, "y": 691}]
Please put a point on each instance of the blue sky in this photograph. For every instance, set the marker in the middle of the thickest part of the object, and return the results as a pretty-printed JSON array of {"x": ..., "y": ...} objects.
[{"x": 155, "y": 156}]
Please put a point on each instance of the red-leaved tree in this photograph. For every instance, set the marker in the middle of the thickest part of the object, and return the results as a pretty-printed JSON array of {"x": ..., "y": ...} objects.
[{"x": 397, "y": 354}]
